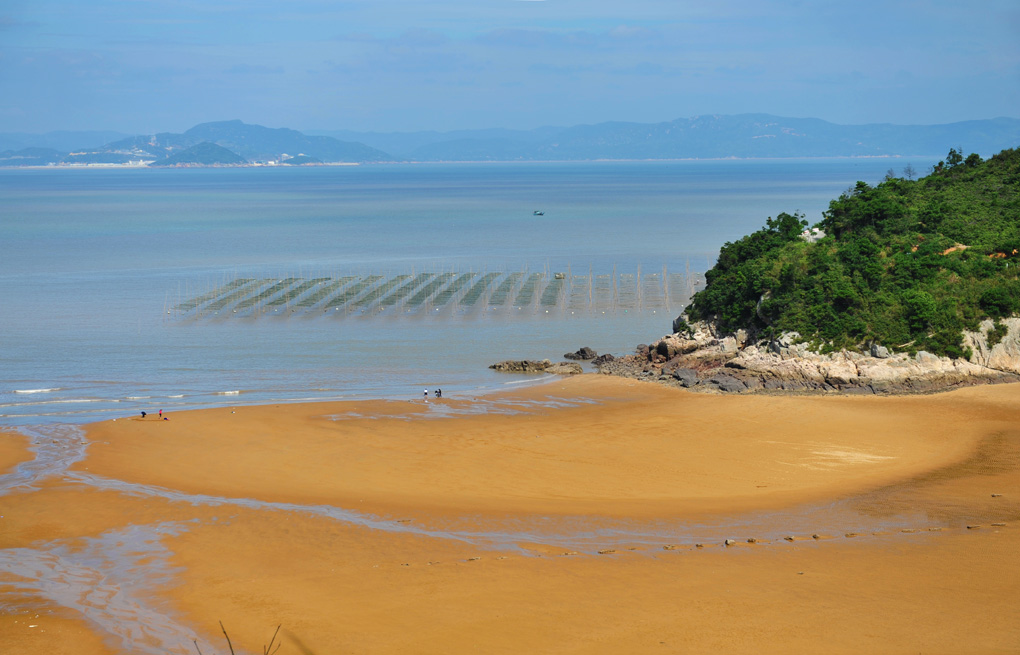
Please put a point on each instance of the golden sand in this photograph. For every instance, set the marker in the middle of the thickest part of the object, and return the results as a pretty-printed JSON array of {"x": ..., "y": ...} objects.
[{"x": 876, "y": 494}]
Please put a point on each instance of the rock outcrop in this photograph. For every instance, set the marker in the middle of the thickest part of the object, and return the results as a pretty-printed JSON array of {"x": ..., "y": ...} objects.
[
  {"x": 705, "y": 360},
  {"x": 584, "y": 353},
  {"x": 531, "y": 366},
  {"x": 521, "y": 366},
  {"x": 1001, "y": 356}
]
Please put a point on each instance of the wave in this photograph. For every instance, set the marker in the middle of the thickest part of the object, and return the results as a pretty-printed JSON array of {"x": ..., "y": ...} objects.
[
  {"x": 61, "y": 402},
  {"x": 227, "y": 393},
  {"x": 50, "y": 390}
]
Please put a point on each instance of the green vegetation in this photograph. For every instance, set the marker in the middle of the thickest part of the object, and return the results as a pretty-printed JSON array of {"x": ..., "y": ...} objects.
[
  {"x": 997, "y": 333},
  {"x": 906, "y": 264}
]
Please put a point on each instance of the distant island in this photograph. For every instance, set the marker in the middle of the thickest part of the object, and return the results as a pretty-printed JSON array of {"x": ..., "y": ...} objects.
[
  {"x": 744, "y": 136},
  {"x": 225, "y": 143}
]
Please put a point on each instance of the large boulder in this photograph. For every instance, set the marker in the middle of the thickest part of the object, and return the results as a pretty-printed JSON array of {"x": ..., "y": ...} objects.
[
  {"x": 564, "y": 368},
  {"x": 879, "y": 352},
  {"x": 673, "y": 345}
]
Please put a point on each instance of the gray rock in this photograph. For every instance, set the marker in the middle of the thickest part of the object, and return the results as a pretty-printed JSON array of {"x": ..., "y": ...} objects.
[
  {"x": 687, "y": 377},
  {"x": 726, "y": 383},
  {"x": 564, "y": 368},
  {"x": 753, "y": 383},
  {"x": 879, "y": 352}
]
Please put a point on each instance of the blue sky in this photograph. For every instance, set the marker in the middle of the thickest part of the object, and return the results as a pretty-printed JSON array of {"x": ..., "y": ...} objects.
[{"x": 142, "y": 66}]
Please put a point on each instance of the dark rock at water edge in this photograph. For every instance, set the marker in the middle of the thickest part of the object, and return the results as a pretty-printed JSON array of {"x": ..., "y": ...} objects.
[
  {"x": 531, "y": 366},
  {"x": 585, "y": 353},
  {"x": 565, "y": 368},
  {"x": 521, "y": 366}
]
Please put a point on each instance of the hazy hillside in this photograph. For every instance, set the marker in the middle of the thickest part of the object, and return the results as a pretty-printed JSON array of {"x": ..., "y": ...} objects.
[
  {"x": 255, "y": 142},
  {"x": 701, "y": 137}
]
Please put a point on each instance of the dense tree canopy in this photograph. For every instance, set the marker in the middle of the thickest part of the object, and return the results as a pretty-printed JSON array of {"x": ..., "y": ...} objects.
[{"x": 906, "y": 264}]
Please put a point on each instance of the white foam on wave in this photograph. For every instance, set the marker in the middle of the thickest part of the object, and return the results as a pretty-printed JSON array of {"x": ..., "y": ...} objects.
[
  {"x": 228, "y": 393},
  {"x": 50, "y": 390},
  {"x": 138, "y": 397},
  {"x": 65, "y": 401}
]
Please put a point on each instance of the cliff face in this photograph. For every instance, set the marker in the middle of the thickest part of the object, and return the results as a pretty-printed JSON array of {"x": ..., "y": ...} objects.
[
  {"x": 1003, "y": 356},
  {"x": 709, "y": 361}
]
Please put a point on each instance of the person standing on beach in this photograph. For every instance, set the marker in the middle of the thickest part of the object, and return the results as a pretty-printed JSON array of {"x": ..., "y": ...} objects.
[
  {"x": 426, "y": 395},
  {"x": 439, "y": 393},
  {"x": 161, "y": 413}
]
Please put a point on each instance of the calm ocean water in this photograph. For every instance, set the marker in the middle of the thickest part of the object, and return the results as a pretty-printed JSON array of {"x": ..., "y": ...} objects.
[{"x": 90, "y": 261}]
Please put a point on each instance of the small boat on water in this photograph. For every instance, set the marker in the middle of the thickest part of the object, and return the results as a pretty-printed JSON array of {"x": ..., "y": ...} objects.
[{"x": 538, "y": 213}]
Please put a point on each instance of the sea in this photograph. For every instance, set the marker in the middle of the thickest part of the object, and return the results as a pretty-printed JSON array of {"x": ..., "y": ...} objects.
[{"x": 104, "y": 272}]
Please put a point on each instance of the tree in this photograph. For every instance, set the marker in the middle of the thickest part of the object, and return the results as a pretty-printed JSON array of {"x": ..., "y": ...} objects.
[{"x": 909, "y": 172}]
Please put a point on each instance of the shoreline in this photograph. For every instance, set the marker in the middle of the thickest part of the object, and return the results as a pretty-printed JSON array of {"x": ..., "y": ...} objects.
[
  {"x": 589, "y": 514},
  {"x": 483, "y": 161},
  {"x": 630, "y": 416}
]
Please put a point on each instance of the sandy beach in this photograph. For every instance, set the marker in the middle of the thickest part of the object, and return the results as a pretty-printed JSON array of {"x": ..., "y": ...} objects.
[{"x": 587, "y": 515}]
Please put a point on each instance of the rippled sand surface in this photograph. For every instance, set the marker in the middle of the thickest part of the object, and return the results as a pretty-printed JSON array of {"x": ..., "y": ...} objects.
[{"x": 588, "y": 515}]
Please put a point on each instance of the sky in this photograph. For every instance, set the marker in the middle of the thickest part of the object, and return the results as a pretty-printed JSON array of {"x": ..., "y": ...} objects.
[{"x": 146, "y": 66}]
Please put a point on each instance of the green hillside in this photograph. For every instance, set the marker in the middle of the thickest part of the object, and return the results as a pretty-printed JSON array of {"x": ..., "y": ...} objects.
[{"x": 908, "y": 264}]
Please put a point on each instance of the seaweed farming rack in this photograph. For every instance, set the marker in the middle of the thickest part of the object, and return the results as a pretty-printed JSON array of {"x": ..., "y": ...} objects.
[{"x": 444, "y": 293}]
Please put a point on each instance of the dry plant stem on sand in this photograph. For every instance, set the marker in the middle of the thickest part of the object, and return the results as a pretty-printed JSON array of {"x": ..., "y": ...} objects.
[{"x": 266, "y": 650}]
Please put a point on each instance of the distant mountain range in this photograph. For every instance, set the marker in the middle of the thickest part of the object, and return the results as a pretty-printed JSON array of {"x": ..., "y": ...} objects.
[{"x": 702, "y": 137}]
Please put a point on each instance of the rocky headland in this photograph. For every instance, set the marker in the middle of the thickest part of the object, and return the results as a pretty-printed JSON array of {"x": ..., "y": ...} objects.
[{"x": 703, "y": 359}]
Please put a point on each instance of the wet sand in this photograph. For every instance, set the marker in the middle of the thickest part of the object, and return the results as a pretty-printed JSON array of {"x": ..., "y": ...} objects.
[
  {"x": 584, "y": 516},
  {"x": 13, "y": 451}
]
